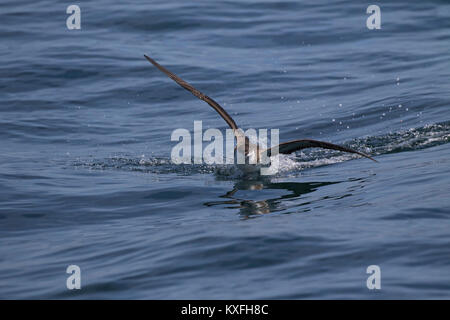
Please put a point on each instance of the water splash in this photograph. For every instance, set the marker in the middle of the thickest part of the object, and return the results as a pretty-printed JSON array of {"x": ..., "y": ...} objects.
[{"x": 401, "y": 141}]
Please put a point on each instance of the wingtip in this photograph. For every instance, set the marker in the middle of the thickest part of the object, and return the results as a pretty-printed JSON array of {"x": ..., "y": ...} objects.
[
  {"x": 369, "y": 157},
  {"x": 153, "y": 62},
  {"x": 148, "y": 58}
]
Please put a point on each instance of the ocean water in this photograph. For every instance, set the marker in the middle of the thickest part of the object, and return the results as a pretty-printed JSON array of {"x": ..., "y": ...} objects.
[{"x": 86, "y": 176}]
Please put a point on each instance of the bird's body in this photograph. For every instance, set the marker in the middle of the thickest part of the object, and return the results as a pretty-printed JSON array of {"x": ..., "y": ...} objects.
[
  {"x": 248, "y": 151},
  {"x": 253, "y": 153}
]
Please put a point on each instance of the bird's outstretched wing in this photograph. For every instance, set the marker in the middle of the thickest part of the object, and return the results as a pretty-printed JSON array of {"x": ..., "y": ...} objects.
[
  {"x": 196, "y": 93},
  {"x": 295, "y": 145},
  {"x": 285, "y": 148}
]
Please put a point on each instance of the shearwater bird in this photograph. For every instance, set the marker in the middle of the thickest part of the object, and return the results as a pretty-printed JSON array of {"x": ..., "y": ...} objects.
[{"x": 251, "y": 151}]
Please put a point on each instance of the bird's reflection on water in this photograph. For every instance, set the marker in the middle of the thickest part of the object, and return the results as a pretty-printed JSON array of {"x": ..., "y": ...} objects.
[{"x": 248, "y": 207}]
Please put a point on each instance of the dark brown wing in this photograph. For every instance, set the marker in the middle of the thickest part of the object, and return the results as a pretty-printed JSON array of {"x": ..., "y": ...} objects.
[
  {"x": 196, "y": 93},
  {"x": 295, "y": 145}
]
